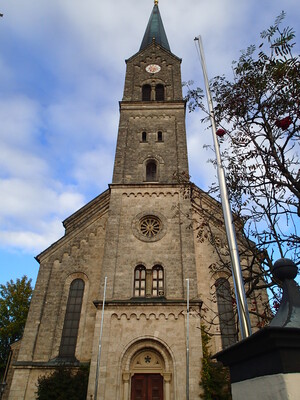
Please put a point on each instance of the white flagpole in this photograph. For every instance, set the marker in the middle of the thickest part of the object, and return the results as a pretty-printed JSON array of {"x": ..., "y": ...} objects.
[
  {"x": 187, "y": 339},
  {"x": 229, "y": 225},
  {"x": 100, "y": 343}
]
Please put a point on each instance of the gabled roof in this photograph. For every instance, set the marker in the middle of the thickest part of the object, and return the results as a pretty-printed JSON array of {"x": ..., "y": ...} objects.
[{"x": 155, "y": 30}]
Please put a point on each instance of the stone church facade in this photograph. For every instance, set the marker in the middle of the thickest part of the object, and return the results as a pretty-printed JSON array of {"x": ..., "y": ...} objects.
[{"x": 137, "y": 235}]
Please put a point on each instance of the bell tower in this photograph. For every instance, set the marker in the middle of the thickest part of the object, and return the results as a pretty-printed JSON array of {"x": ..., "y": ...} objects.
[
  {"x": 149, "y": 248},
  {"x": 152, "y": 139}
]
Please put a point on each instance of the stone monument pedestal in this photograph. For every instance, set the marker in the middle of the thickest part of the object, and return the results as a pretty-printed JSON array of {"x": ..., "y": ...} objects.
[{"x": 265, "y": 366}]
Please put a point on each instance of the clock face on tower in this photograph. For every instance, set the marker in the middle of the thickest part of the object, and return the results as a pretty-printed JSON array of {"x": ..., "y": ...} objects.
[{"x": 153, "y": 68}]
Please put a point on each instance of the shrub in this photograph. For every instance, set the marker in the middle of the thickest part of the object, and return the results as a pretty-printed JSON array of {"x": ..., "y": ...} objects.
[{"x": 64, "y": 383}]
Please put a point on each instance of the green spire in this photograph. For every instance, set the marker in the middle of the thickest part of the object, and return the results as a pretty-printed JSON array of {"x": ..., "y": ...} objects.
[{"x": 155, "y": 30}]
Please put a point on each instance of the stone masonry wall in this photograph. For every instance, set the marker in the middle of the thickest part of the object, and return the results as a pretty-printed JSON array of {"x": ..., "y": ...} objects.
[
  {"x": 125, "y": 249},
  {"x": 162, "y": 327}
]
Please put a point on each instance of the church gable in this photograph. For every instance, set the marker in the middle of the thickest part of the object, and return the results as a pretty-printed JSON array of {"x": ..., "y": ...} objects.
[{"x": 77, "y": 256}]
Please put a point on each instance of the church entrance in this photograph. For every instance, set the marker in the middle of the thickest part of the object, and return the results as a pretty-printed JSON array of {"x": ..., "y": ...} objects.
[
  {"x": 147, "y": 371},
  {"x": 147, "y": 387}
]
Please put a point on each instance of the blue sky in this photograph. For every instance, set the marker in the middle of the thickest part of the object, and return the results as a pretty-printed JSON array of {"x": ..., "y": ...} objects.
[{"x": 62, "y": 74}]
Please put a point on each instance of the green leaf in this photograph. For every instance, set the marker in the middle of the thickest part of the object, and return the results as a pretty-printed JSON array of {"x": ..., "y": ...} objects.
[{"x": 14, "y": 305}]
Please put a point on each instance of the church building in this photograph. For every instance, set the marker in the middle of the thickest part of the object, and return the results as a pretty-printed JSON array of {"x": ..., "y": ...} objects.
[{"x": 138, "y": 237}]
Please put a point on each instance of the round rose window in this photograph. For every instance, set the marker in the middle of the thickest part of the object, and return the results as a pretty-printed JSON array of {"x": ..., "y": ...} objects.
[{"x": 150, "y": 226}]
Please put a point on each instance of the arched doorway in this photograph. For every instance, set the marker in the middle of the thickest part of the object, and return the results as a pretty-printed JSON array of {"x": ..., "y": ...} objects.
[{"x": 147, "y": 371}]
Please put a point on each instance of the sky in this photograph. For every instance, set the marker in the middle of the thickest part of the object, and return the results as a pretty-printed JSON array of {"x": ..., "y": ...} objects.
[{"x": 62, "y": 68}]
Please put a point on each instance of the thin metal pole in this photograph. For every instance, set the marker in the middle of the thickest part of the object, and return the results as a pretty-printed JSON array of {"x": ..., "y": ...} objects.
[
  {"x": 229, "y": 225},
  {"x": 100, "y": 342},
  {"x": 187, "y": 339}
]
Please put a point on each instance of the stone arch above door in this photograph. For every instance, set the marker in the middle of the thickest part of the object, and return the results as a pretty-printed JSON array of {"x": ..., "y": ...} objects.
[
  {"x": 147, "y": 356},
  {"x": 147, "y": 361}
]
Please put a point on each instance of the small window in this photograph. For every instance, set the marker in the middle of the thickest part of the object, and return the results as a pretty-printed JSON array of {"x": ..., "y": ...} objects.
[
  {"x": 157, "y": 281},
  {"x": 159, "y": 92},
  {"x": 140, "y": 281},
  {"x": 151, "y": 171},
  {"x": 146, "y": 93},
  {"x": 159, "y": 136},
  {"x": 144, "y": 136}
]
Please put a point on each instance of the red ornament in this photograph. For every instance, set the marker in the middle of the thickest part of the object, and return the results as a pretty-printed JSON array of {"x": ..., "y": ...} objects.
[
  {"x": 220, "y": 132},
  {"x": 283, "y": 123},
  {"x": 276, "y": 305}
]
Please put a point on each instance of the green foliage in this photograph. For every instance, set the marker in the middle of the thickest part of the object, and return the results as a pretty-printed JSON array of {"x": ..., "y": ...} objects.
[
  {"x": 259, "y": 110},
  {"x": 214, "y": 377},
  {"x": 64, "y": 384},
  {"x": 14, "y": 305}
]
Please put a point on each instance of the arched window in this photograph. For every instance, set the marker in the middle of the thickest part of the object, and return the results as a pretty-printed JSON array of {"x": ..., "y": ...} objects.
[
  {"x": 151, "y": 171},
  {"x": 159, "y": 136},
  {"x": 157, "y": 281},
  {"x": 159, "y": 92},
  {"x": 140, "y": 281},
  {"x": 72, "y": 318},
  {"x": 146, "y": 93},
  {"x": 144, "y": 136},
  {"x": 225, "y": 311}
]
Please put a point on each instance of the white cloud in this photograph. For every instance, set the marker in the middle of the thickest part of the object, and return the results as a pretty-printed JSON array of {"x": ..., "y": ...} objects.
[
  {"x": 202, "y": 172},
  {"x": 29, "y": 241},
  {"x": 26, "y": 202},
  {"x": 6, "y": 75},
  {"x": 68, "y": 202},
  {"x": 94, "y": 167},
  {"x": 16, "y": 162},
  {"x": 20, "y": 119}
]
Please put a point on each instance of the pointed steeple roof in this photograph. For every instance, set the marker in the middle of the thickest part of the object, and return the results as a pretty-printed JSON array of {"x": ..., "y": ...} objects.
[{"x": 155, "y": 30}]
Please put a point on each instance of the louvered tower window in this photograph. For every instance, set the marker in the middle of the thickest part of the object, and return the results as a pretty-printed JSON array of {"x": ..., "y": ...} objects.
[
  {"x": 151, "y": 171},
  {"x": 159, "y": 92},
  {"x": 146, "y": 93}
]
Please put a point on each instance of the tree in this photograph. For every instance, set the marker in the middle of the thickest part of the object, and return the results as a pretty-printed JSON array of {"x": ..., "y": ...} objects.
[
  {"x": 215, "y": 379},
  {"x": 257, "y": 113},
  {"x": 14, "y": 305},
  {"x": 64, "y": 384}
]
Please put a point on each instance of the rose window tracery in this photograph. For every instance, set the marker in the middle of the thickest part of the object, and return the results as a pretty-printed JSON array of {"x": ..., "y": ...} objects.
[{"x": 150, "y": 226}]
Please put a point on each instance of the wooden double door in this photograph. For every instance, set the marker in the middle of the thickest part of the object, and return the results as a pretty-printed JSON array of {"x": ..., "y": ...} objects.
[{"x": 147, "y": 387}]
